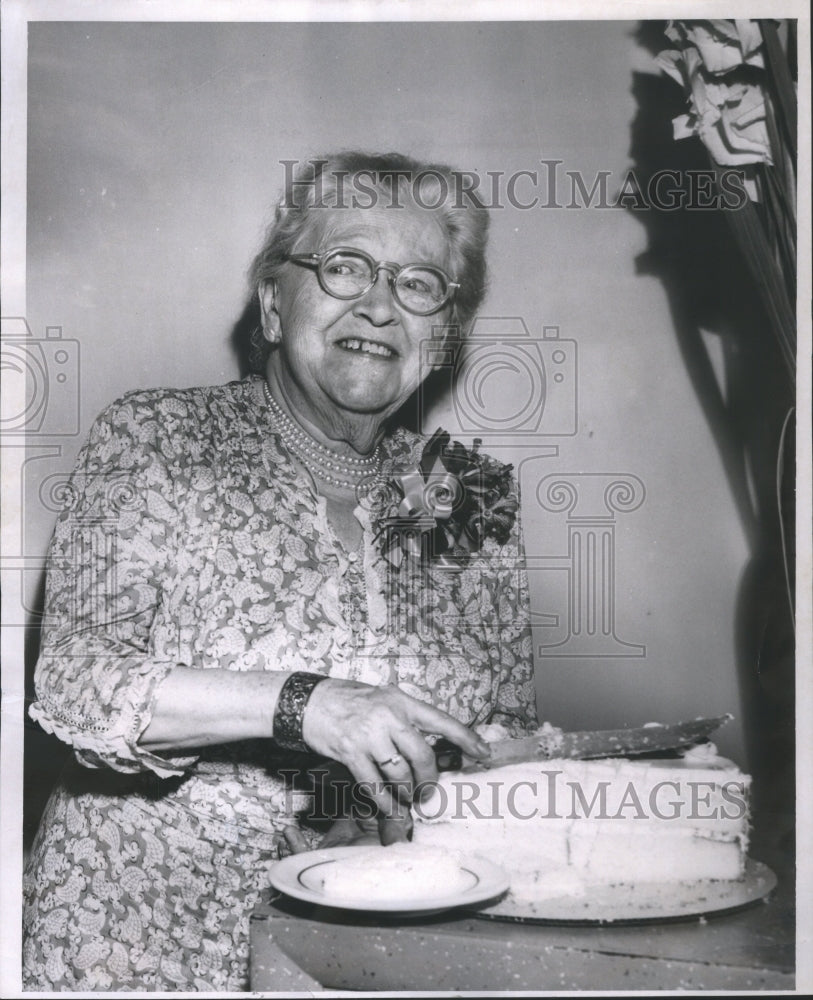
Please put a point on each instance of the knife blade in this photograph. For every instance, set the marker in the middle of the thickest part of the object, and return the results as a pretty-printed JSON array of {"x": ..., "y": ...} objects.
[{"x": 590, "y": 744}]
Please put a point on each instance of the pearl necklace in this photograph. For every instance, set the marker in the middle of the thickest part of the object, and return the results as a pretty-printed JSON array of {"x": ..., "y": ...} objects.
[{"x": 344, "y": 471}]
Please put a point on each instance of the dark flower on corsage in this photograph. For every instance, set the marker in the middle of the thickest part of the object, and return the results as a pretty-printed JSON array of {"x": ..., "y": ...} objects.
[{"x": 449, "y": 505}]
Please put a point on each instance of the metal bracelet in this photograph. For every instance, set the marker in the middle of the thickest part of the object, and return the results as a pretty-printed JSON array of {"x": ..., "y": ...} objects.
[{"x": 290, "y": 710}]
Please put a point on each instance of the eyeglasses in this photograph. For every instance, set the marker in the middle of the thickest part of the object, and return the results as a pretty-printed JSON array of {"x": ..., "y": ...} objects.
[{"x": 346, "y": 273}]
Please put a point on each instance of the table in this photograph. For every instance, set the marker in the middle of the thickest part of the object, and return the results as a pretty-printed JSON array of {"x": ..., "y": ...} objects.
[{"x": 300, "y": 947}]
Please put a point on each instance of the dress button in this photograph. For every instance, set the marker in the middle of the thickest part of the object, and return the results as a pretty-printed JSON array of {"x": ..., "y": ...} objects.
[{"x": 353, "y": 557}]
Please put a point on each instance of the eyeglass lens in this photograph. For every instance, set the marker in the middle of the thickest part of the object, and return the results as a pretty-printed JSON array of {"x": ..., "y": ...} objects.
[{"x": 347, "y": 275}]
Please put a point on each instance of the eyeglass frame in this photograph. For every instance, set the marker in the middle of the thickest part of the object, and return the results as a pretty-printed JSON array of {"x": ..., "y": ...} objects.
[{"x": 314, "y": 261}]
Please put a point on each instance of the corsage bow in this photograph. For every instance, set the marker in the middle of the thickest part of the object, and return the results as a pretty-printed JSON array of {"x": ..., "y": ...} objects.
[{"x": 449, "y": 505}]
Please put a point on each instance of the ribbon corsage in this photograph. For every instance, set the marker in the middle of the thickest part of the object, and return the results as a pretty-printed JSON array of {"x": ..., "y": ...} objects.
[{"x": 449, "y": 505}]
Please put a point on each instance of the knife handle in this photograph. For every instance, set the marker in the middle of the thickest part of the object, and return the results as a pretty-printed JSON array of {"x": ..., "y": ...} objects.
[{"x": 448, "y": 755}]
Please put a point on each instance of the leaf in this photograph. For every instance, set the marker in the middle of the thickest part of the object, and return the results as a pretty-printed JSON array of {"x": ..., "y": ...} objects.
[
  {"x": 761, "y": 262},
  {"x": 782, "y": 81}
]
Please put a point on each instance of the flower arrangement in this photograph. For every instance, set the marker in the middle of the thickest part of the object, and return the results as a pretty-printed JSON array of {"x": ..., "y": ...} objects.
[
  {"x": 713, "y": 62},
  {"x": 449, "y": 505},
  {"x": 738, "y": 79}
]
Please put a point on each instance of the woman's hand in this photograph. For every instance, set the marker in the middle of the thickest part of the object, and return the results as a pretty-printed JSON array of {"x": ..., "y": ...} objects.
[
  {"x": 343, "y": 833},
  {"x": 378, "y": 734}
]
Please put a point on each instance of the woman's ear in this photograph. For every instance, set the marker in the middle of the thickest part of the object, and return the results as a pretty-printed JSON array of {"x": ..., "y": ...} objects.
[{"x": 272, "y": 330}]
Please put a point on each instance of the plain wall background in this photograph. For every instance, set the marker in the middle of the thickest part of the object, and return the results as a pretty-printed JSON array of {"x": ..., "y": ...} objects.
[{"x": 154, "y": 156}]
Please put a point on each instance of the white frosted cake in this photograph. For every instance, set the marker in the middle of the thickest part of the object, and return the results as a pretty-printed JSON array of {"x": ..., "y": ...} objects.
[{"x": 559, "y": 826}]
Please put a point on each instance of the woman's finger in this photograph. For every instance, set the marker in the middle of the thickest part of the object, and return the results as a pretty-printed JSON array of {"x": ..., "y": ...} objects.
[
  {"x": 398, "y": 770},
  {"x": 372, "y": 788},
  {"x": 295, "y": 840},
  {"x": 390, "y": 832},
  {"x": 419, "y": 754},
  {"x": 432, "y": 720},
  {"x": 347, "y": 831}
]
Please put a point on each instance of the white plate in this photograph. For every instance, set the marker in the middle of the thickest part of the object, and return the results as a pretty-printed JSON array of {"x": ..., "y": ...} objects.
[
  {"x": 300, "y": 875},
  {"x": 641, "y": 903}
]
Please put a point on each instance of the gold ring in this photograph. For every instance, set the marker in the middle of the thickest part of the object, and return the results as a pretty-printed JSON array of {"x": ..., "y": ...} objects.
[{"x": 395, "y": 759}]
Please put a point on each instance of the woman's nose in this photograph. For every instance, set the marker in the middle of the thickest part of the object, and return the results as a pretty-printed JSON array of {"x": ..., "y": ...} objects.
[{"x": 378, "y": 304}]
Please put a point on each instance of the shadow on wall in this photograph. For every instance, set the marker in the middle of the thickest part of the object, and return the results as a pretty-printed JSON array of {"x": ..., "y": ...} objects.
[
  {"x": 241, "y": 336},
  {"x": 716, "y": 310}
]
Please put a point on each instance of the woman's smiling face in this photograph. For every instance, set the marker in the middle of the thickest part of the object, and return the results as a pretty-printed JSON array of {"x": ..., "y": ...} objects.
[{"x": 353, "y": 360}]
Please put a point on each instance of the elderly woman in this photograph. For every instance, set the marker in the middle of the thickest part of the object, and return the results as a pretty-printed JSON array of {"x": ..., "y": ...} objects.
[{"x": 250, "y": 578}]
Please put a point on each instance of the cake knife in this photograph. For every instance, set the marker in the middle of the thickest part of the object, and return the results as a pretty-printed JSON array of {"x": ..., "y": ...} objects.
[{"x": 586, "y": 745}]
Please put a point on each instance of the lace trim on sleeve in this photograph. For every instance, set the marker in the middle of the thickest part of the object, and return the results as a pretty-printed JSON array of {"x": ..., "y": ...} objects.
[{"x": 113, "y": 742}]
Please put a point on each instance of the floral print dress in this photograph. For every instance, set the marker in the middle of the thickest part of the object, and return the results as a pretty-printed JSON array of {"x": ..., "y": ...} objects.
[{"x": 188, "y": 536}]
